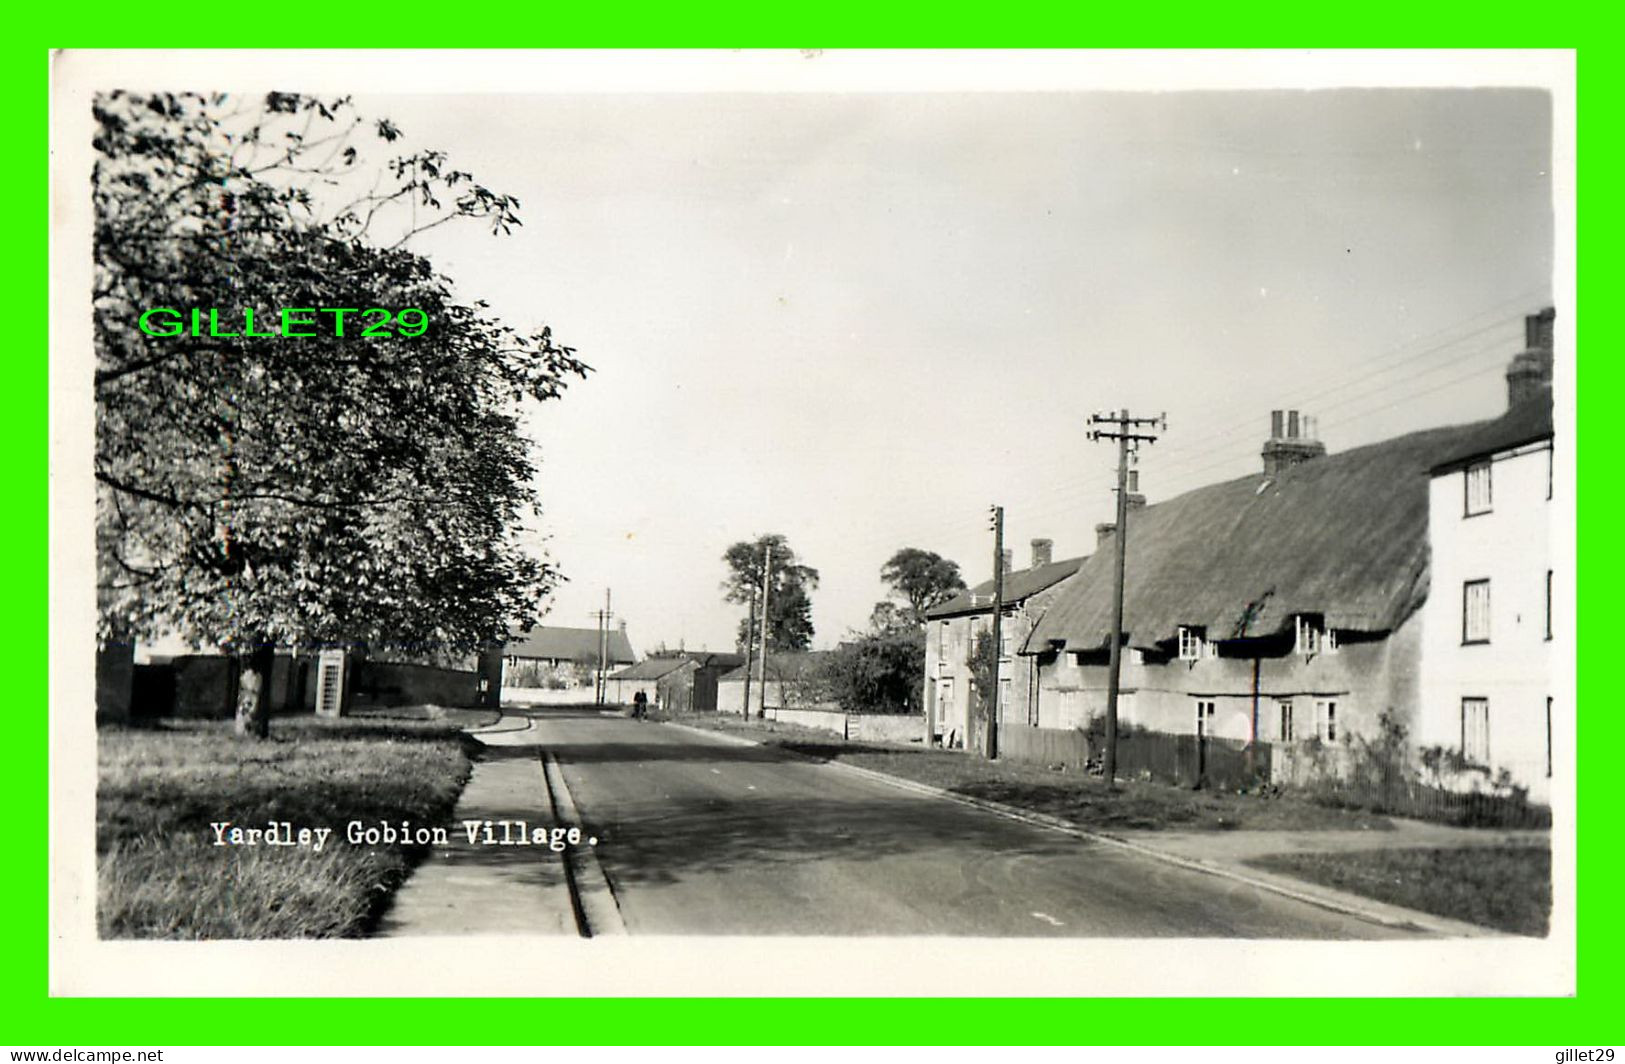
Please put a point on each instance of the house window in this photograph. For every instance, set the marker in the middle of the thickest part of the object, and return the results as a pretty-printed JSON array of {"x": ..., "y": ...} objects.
[
  {"x": 1205, "y": 710},
  {"x": 1330, "y": 645},
  {"x": 1478, "y": 489},
  {"x": 1548, "y": 604},
  {"x": 1475, "y": 730},
  {"x": 1475, "y": 611},
  {"x": 1548, "y": 737},
  {"x": 1004, "y": 695},
  {"x": 1284, "y": 733},
  {"x": 1326, "y": 719},
  {"x": 1004, "y": 643},
  {"x": 1190, "y": 643},
  {"x": 1308, "y": 634}
]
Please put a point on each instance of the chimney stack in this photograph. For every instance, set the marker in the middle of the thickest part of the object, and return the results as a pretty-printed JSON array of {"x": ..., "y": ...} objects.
[
  {"x": 1134, "y": 500},
  {"x": 1291, "y": 443},
  {"x": 1103, "y": 532},
  {"x": 1530, "y": 372},
  {"x": 621, "y": 624},
  {"x": 1043, "y": 551},
  {"x": 1007, "y": 560}
]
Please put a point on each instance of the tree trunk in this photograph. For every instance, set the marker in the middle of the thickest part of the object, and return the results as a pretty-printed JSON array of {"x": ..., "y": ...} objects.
[{"x": 254, "y": 690}]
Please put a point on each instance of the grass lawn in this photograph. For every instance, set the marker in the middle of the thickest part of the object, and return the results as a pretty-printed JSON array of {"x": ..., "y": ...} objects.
[
  {"x": 1083, "y": 800},
  {"x": 160, "y": 875},
  {"x": 1508, "y": 888}
]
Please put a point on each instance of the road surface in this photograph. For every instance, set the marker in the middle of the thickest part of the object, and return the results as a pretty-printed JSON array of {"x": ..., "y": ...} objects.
[{"x": 699, "y": 835}]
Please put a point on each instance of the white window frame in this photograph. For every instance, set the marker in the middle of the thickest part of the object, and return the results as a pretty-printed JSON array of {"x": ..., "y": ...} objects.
[
  {"x": 1475, "y": 730},
  {"x": 1285, "y": 726},
  {"x": 1204, "y": 723},
  {"x": 1474, "y": 633},
  {"x": 1478, "y": 489},
  {"x": 1307, "y": 635},
  {"x": 1326, "y": 719},
  {"x": 1192, "y": 643}
]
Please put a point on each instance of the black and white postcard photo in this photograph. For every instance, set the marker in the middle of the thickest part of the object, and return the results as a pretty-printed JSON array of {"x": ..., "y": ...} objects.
[{"x": 813, "y": 523}]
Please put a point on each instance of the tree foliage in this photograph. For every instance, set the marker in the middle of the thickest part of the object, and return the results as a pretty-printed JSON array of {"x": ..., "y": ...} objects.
[
  {"x": 293, "y": 490},
  {"x": 878, "y": 672},
  {"x": 789, "y": 611},
  {"x": 921, "y": 579}
]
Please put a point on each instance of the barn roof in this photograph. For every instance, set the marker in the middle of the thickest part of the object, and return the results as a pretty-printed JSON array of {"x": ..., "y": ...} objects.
[
  {"x": 1344, "y": 536},
  {"x": 649, "y": 669},
  {"x": 568, "y": 644},
  {"x": 786, "y": 665},
  {"x": 1019, "y": 585}
]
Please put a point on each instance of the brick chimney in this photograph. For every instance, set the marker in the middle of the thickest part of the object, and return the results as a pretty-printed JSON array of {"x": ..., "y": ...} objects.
[
  {"x": 1103, "y": 532},
  {"x": 1529, "y": 373},
  {"x": 1291, "y": 442},
  {"x": 1135, "y": 500},
  {"x": 1043, "y": 551},
  {"x": 1008, "y": 560}
]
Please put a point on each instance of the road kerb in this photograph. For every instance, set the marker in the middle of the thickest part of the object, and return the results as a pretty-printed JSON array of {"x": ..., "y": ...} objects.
[
  {"x": 599, "y": 913},
  {"x": 1377, "y": 912}
]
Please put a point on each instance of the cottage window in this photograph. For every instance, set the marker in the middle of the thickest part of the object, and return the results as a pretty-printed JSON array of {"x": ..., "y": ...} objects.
[
  {"x": 1004, "y": 642},
  {"x": 1004, "y": 695},
  {"x": 1478, "y": 488},
  {"x": 1475, "y": 611},
  {"x": 1190, "y": 643},
  {"x": 1475, "y": 730},
  {"x": 1284, "y": 733},
  {"x": 1205, "y": 710},
  {"x": 1308, "y": 634},
  {"x": 1330, "y": 645},
  {"x": 1326, "y": 719},
  {"x": 1548, "y": 604}
]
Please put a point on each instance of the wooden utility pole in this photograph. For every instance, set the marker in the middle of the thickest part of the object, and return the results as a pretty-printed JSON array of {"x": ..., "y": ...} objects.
[
  {"x": 600, "y": 689},
  {"x": 992, "y": 707},
  {"x": 750, "y": 642},
  {"x": 1124, "y": 436},
  {"x": 767, "y": 584}
]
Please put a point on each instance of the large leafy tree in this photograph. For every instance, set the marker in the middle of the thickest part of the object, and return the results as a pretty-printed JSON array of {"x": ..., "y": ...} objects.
[
  {"x": 921, "y": 579},
  {"x": 255, "y": 492},
  {"x": 789, "y": 607}
]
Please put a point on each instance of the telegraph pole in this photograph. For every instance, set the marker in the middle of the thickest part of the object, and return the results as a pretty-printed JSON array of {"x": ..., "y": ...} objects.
[
  {"x": 600, "y": 689},
  {"x": 750, "y": 642},
  {"x": 998, "y": 631},
  {"x": 767, "y": 583},
  {"x": 1125, "y": 436}
]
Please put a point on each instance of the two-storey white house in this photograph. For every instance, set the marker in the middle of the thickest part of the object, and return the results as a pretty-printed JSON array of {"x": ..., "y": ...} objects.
[{"x": 1488, "y": 630}]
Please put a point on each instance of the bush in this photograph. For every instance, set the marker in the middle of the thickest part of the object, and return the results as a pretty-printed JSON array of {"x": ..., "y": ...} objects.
[{"x": 882, "y": 672}]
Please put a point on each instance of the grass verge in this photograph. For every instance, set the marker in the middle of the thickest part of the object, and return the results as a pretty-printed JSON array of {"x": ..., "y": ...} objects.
[
  {"x": 1080, "y": 799},
  {"x": 1508, "y": 888},
  {"x": 160, "y": 874}
]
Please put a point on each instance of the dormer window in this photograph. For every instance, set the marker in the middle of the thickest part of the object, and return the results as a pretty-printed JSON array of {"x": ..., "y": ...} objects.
[
  {"x": 1310, "y": 634},
  {"x": 1478, "y": 488},
  {"x": 1191, "y": 643}
]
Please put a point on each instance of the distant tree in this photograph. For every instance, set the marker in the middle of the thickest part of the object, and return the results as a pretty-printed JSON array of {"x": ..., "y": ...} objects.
[
  {"x": 789, "y": 612},
  {"x": 922, "y": 579},
  {"x": 888, "y": 616},
  {"x": 257, "y": 491}
]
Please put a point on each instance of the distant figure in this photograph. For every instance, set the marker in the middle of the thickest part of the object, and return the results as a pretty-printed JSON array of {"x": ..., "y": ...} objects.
[{"x": 640, "y": 705}]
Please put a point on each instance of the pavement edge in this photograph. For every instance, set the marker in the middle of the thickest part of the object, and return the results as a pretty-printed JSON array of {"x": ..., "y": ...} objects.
[{"x": 598, "y": 913}]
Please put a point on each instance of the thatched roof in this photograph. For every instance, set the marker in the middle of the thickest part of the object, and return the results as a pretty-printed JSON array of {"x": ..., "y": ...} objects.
[
  {"x": 1528, "y": 422},
  {"x": 1344, "y": 536},
  {"x": 1018, "y": 586}
]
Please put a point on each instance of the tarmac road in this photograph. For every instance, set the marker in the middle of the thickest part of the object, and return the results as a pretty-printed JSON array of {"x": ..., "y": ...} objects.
[{"x": 698, "y": 835}]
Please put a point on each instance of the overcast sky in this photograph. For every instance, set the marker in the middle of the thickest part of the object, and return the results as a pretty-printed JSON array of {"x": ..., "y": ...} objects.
[{"x": 859, "y": 320}]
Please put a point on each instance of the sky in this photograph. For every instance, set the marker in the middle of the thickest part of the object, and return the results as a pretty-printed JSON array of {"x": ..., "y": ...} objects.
[{"x": 859, "y": 320}]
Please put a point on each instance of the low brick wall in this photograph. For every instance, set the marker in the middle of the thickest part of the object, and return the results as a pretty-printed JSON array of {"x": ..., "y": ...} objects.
[
  {"x": 886, "y": 728},
  {"x": 382, "y": 683},
  {"x": 1044, "y": 746},
  {"x": 823, "y": 720}
]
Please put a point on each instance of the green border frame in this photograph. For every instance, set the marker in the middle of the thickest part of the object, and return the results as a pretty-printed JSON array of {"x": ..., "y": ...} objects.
[{"x": 32, "y": 1017}]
